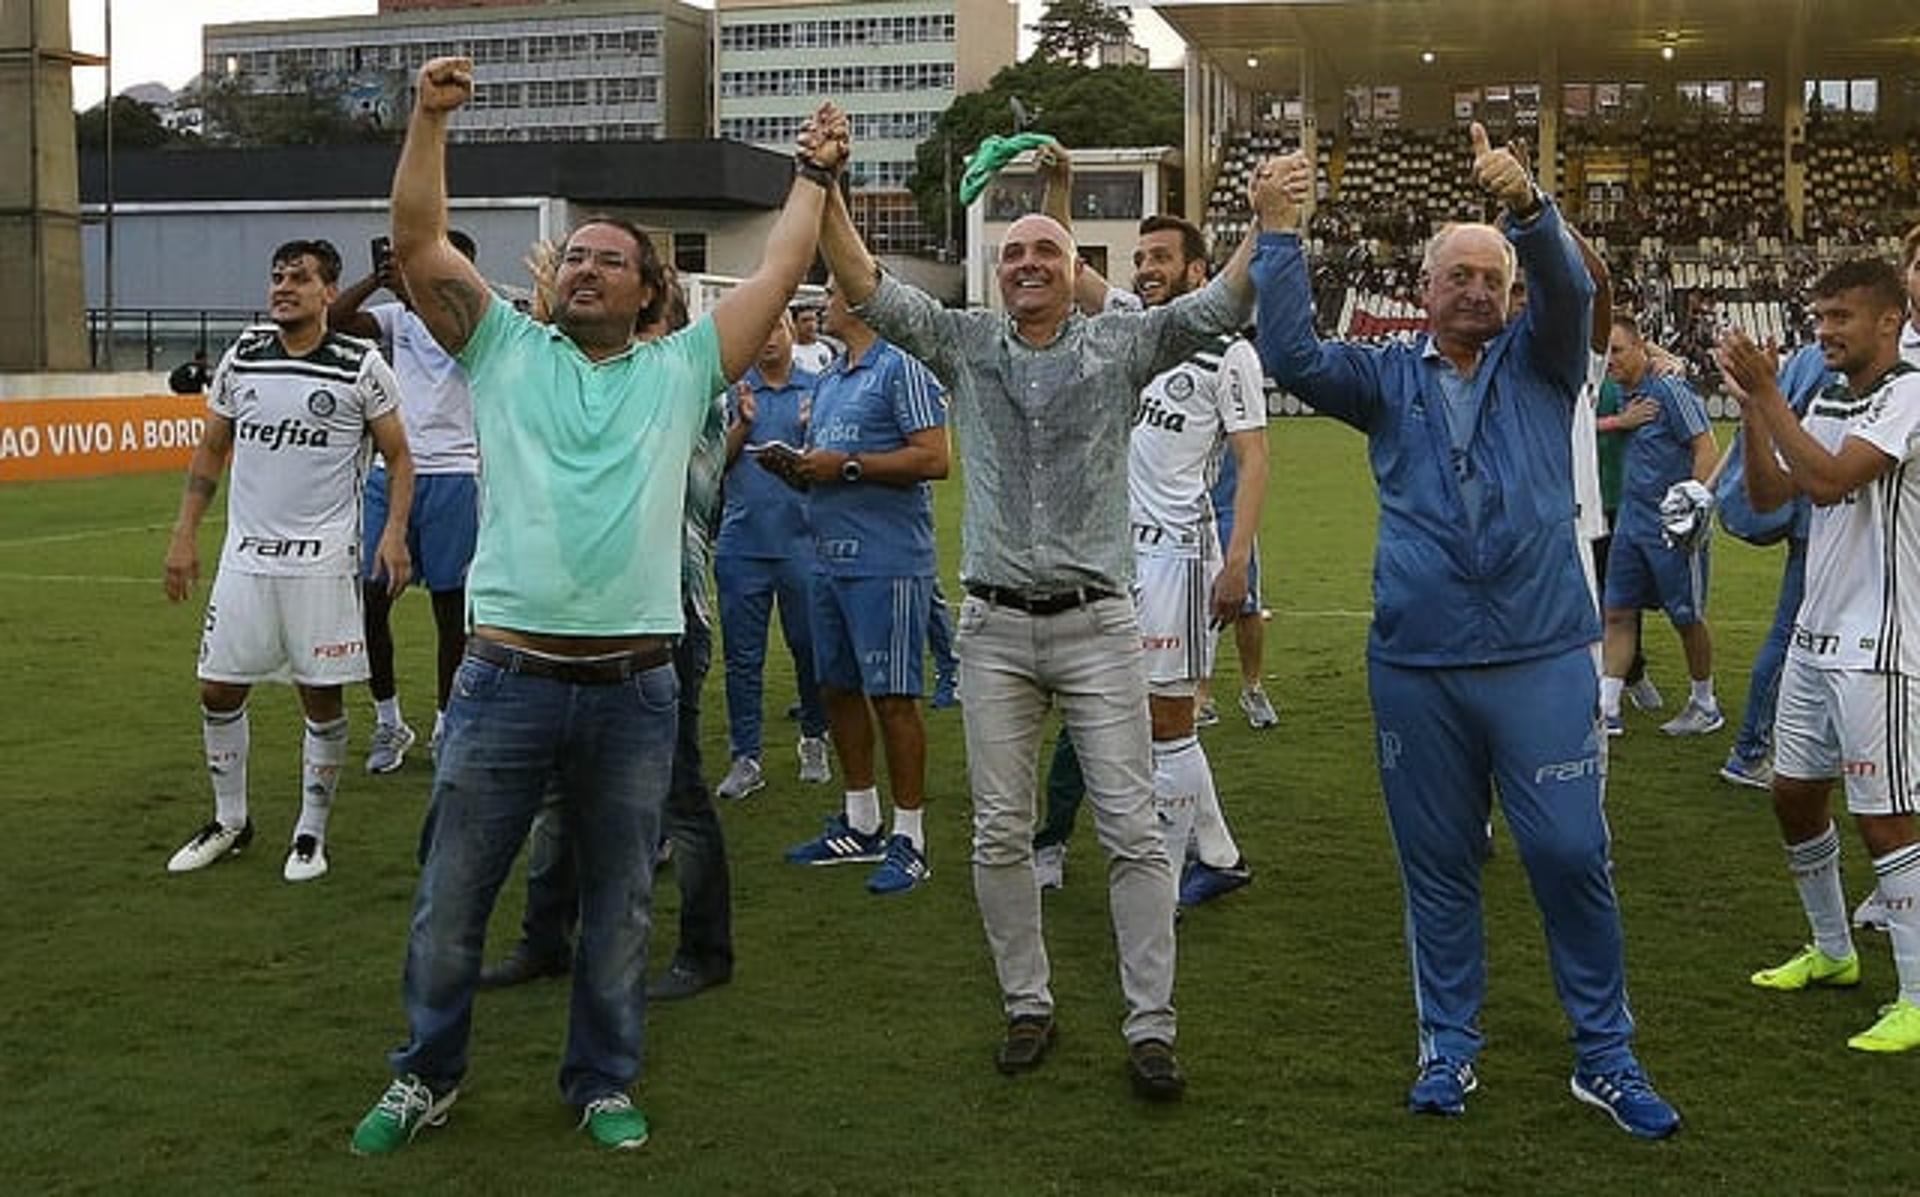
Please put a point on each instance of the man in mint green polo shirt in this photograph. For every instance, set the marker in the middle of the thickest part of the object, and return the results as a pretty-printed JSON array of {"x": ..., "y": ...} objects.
[{"x": 574, "y": 603}]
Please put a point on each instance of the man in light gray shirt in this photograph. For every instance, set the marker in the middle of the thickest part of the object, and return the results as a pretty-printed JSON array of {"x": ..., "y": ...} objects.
[{"x": 1044, "y": 400}]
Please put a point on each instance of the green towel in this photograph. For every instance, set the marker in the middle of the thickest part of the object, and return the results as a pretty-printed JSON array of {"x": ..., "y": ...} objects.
[{"x": 992, "y": 154}]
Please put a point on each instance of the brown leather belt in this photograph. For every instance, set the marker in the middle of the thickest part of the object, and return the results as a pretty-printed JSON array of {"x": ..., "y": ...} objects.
[
  {"x": 607, "y": 670},
  {"x": 1038, "y": 604}
]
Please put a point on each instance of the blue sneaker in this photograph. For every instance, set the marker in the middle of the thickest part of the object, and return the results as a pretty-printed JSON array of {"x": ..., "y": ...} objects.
[
  {"x": 839, "y": 844},
  {"x": 1616, "y": 726},
  {"x": 904, "y": 868},
  {"x": 1628, "y": 1098},
  {"x": 946, "y": 692},
  {"x": 1442, "y": 1087},
  {"x": 1203, "y": 883}
]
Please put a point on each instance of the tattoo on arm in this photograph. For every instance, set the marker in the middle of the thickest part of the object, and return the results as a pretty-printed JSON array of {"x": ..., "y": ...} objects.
[
  {"x": 461, "y": 302},
  {"x": 200, "y": 484}
]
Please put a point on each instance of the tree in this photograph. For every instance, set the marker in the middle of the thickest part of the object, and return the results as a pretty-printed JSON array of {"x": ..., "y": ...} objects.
[
  {"x": 1071, "y": 30},
  {"x": 136, "y": 126},
  {"x": 306, "y": 109},
  {"x": 1080, "y": 106}
]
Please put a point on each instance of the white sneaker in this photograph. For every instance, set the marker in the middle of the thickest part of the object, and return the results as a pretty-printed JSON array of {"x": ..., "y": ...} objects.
[
  {"x": 209, "y": 844},
  {"x": 1258, "y": 708},
  {"x": 1694, "y": 720},
  {"x": 813, "y": 760},
  {"x": 744, "y": 778},
  {"x": 306, "y": 860},
  {"x": 1644, "y": 695},
  {"x": 388, "y": 750},
  {"x": 1871, "y": 914},
  {"x": 1050, "y": 866}
]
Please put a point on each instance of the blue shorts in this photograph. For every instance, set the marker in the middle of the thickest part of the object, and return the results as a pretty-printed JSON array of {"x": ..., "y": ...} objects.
[
  {"x": 441, "y": 529},
  {"x": 1642, "y": 574},
  {"x": 1252, "y": 604},
  {"x": 870, "y": 634}
]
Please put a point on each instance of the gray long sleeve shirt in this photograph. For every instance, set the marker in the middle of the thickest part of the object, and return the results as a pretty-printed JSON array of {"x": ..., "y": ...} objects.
[{"x": 1043, "y": 429}]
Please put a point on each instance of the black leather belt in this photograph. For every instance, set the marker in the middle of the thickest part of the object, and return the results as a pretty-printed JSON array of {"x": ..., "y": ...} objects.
[
  {"x": 608, "y": 670},
  {"x": 1038, "y": 604}
]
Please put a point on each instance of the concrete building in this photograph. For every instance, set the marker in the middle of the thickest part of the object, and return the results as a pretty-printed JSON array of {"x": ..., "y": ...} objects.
[
  {"x": 39, "y": 203},
  {"x": 894, "y": 65},
  {"x": 194, "y": 231},
  {"x": 591, "y": 70}
]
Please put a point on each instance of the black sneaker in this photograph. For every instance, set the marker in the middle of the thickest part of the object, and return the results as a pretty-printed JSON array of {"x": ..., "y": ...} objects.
[
  {"x": 1156, "y": 1073},
  {"x": 682, "y": 980},
  {"x": 523, "y": 966}
]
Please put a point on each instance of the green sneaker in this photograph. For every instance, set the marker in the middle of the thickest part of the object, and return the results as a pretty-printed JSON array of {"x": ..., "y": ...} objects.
[
  {"x": 1810, "y": 966},
  {"x": 1897, "y": 1031},
  {"x": 407, "y": 1107},
  {"x": 613, "y": 1122}
]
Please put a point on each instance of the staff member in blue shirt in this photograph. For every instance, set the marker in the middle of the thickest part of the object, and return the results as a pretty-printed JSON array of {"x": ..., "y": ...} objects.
[
  {"x": 1642, "y": 570},
  {"x": 876, "y": 439},
  {"x": 765, "y": 556},
  {"x": 1479, "y": 658}
]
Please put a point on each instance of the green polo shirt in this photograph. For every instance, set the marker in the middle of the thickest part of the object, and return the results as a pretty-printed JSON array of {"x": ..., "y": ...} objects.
[{"x": 583, "y": 473}]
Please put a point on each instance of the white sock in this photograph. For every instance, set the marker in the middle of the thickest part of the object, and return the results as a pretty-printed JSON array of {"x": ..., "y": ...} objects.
[
  {"x": 1815, "y": 865},
  {"x": 1899, "y": 875},
  {"x": 321, "y": 755},
  {"x": 1702, "y": 692},
  {"x": 1176, "y": 792},
  {"x": 910, "y": 824},
  {"x": 863, "y": 810},
  {"x": 387, "y": 711},
  {"x": 1610, "y": 688},
  {"x": 1212, "y": 842},
  {"x": 227, "y": 738}
]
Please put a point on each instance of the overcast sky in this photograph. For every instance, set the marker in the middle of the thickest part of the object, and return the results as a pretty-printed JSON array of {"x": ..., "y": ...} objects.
[{"x": 159, "y": 40}]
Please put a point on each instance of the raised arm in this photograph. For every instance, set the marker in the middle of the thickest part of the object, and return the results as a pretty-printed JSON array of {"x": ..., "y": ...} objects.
[
  {"x": 1811, "y": 470},
  {"x": 1340, "y": 380},
  {"x": 448, "y": 293},
  {"x": 745, "y": 317},
  {"x": 345, "y": 312},
  {"x": 900, "y": 312},
  {"x": 1055, "y": 167}
]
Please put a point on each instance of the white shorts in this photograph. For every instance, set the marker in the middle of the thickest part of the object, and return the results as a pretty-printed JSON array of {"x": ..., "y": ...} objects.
[
  {"x": 273, "y": 628},
  {"x": 1860, "y": 727},
  {"x": 1172, "y": 595}
]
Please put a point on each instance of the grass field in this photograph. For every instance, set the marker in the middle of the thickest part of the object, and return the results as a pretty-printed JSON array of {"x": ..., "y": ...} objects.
[{"x": 224, "y": 1031}]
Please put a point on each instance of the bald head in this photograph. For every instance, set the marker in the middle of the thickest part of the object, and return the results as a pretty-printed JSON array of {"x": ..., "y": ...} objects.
[{"x": 1036, "y": 270}]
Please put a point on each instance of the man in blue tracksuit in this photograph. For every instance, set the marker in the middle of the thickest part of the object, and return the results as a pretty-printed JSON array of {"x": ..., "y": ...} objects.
[{"x": 1479, "y": 658}]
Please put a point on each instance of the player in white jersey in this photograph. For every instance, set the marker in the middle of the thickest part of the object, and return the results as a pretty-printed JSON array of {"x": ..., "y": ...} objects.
[
  {"x": 442, "y": 528},
  {"x": 1185, "y": 587},
  {"x": 294, "y": 405},
  {"x": 1849, "y": 705}
]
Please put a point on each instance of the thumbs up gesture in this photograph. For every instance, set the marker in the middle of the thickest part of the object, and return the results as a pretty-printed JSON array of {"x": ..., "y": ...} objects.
[{"x": 1501, "y": 174}]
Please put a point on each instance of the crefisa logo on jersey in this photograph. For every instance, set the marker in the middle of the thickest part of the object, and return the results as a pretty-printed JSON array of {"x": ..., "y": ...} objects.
[
  {"x": 288, "y": 433},
  {"x": 321, "y": 403}
]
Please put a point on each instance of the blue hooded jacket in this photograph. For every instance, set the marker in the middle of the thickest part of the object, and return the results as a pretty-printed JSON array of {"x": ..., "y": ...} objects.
[{"x": 1448, "y": 590}]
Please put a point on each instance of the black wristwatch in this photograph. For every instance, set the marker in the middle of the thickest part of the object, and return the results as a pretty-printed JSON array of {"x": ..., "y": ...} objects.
[
  {"x": 850, "y": 470},
  {"x": 813, "y": 172}
]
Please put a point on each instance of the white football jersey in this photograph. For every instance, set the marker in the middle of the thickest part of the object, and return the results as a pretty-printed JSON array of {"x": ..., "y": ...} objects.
[
  {"x": 300, "y": 449},
  {"x": 434, "y": 402},
  {"x": 1180, "y": 429},
  {"x": 1862, "y": 609},
  {"x": 1589, "y": 517}
]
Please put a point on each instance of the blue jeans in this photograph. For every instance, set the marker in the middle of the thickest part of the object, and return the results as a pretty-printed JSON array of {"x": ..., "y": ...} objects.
[
  {"x": 507, "y": 736},
  {"x": 1763, "y": 685},
  {"x": 700, "y": 847},
  {"x": 748, "y": 587}
]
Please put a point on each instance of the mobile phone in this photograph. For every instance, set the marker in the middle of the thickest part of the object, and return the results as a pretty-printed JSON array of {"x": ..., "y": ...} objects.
[{"x": 382, "y": 252}]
